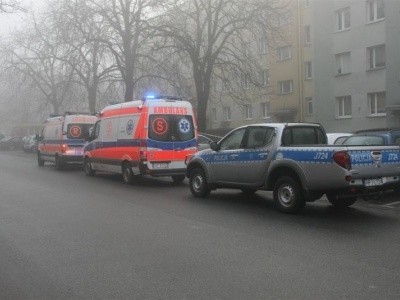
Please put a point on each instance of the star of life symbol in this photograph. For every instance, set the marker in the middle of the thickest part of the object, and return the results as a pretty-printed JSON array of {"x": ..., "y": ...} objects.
[
  {"x": 184, "y": 125},
  {"x": 129, "y": 127}
]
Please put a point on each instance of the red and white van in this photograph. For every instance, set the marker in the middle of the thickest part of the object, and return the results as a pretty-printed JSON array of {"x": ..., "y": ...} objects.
[
  {"x": 63, "y": 138},
  {"x": 152, "y": 136}
]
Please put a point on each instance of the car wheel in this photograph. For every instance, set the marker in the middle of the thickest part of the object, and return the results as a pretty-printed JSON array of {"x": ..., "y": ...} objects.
[
  {"x": 127, "y": 173},
  {"x": 178, "y": 178},
  {"x": 40, "y": 161},
  {"x": 288, "y": 195},
  {"x": 341, "y": 202},
  {"x": 198, "y": 183},
  {"x": 59, "y": 163},
  {"x": 88, "y": 167}
]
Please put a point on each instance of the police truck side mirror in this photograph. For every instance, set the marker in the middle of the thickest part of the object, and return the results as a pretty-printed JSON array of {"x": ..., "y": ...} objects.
[{"x": 214, "y": 146}]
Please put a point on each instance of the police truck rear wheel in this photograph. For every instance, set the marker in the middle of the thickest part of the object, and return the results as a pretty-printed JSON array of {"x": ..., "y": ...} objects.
[
  {"x": 88, "y": 167},
  {"x": 288, "y": 195},
  {"x": 178, "y": 178},
  {"x": 127, "y": 173},
  {"x": 40, "y": 161},
  {"x": 198, "y": 183},
  {"x": 341, "y": 203}
]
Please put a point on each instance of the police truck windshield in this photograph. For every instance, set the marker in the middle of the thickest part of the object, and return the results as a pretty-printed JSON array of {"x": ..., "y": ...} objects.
[{"x": 171, "y": 128}]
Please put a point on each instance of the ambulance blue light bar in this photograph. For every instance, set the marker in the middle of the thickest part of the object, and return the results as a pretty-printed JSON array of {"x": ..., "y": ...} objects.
[{"x": 156, "y": 97}]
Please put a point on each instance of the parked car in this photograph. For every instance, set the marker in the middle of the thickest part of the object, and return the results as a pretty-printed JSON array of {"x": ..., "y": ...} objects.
[
  {"x": 389, "y": 136},
  {"x": 337, "y": 138},
  {"x": 364, "y": 140},
  {"x": 11, "y": 143},
  {"x": 30, "y": 143}
]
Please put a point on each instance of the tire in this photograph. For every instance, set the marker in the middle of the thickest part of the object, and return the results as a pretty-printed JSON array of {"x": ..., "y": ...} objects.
[
  {"x": 198, "y": 184},
  {"x": 341, "y": 202},
  {"x": 127, "y": 173},
  {"x": 87, "y": 166},
  {"x": 288, "y": 195},
  {"x": 40, "y": 161},
  {"x": 178, "y": 178},
  {"x": 59, "y": 163},
  {"x": 248, "y": 191}
]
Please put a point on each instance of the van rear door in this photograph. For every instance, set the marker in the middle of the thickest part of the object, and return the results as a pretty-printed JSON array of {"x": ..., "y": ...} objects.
[{"x": 173, "y": 134}]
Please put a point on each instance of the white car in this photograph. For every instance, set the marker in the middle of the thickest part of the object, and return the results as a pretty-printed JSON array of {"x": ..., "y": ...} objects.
[
  {"x": 30, "y": 143},
  {"x": 337, "y": 138}
]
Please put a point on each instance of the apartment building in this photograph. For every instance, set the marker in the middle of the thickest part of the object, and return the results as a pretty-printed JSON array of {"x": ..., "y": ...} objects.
[
  {"x": 356, "y": 64},
  {"x": 338, "y": 64}
]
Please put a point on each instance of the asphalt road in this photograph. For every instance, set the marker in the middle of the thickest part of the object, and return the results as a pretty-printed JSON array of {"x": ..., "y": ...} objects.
[{"x": 66, "y": 235}]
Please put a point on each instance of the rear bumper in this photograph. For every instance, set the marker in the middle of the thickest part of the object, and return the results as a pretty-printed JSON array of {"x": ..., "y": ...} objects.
[{"x": 71, "y": 158}]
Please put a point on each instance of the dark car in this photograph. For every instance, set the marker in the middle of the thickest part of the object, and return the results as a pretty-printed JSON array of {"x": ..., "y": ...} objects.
[
  {"x": 11, "y": 143},
  {"x": 374, "y": 137}
]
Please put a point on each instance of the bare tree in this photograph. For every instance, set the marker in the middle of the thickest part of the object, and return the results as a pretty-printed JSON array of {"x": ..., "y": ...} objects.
[
  {"x": 127, "y": 35},
  {"x": 211, "y": 35},
  {"x": 82, "y": 33},
  {"x": 34, "y": 53},
  {"x": 10, "y": 6}
]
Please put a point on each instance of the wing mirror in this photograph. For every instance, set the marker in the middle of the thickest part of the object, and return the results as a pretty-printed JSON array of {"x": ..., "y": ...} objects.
[{"x": 214, "y": 146}]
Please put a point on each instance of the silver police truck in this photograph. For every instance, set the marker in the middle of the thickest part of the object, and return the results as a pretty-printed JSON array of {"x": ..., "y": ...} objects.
[{"x": 295, "y": 162}]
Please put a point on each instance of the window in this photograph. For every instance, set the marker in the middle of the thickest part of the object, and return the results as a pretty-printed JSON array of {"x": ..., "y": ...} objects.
[
  {"x": 376, "y": 57},
  {"x": 248, "y": 111},
  {"x": 307, "y": 35},
  {"x": 343, "y": 107},
  {"x": 285, "y": 53},
  {"x": 285, "y": 87},
  {"x": 264, "y": 46},
  {"x": 284, "y": 19},
  {"x": 246, "y": 49},
  {"x": 375, "y": 10},
  {"x": 376, "y": 103},
  {"x": 264, "y": 74},
  {"x": 343, "y": 19},
  {"x": 310, "y": 106},
  {"x": 343, "y": 63},
  {"x": 303, "y": 136},
  {"x": 308, "y": 70},
  {"x": 264, "y": 110},
  {"x": 245, "y": 81},
  {"x": 227, "y": 113},
  {"x": 258, "y": 137},
  {"x": 233, "y": 140},
  {"x": 214, "y": 114}
]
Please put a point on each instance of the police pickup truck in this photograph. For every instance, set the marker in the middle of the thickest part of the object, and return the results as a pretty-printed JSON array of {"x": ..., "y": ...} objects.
[{"x": 294, "y": 161}]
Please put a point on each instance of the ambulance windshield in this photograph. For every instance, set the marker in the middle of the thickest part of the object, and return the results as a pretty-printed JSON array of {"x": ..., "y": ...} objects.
[
  {"x": 79, "y": 131},
  {"x": 171, "y": 128}
]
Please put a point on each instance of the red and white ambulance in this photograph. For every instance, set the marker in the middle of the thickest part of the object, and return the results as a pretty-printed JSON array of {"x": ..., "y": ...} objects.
[
  {"x": 63, "y": 138},
  {"x": 152, "y": 136}
]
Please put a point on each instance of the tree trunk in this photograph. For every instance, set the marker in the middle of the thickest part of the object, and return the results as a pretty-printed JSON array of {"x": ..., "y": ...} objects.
[
  {"x": 92, "y": 95},
  {"x": 202, "y": 112},
  {"x": 129, "y": 91}
]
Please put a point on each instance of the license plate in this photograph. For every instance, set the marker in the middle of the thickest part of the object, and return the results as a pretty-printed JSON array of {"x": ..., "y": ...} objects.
[
  {"x": 160, "y": 165},
  {"x": 373, "y": 182},
  {"x": 78, "y": 151}
]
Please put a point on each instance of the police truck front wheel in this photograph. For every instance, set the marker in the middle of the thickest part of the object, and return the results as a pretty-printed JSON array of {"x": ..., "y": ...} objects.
[
  {"x": 288, "y": 195},
  {"x": 127, "y": 173},
  {"x": 88, "y": 167},
  {"x": 198, "y": 183}
]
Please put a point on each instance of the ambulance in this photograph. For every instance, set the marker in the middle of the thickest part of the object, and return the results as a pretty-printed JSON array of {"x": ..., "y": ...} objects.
[
  {"x": 63, "y": 138},
  {"x": 152, "y": 136}
]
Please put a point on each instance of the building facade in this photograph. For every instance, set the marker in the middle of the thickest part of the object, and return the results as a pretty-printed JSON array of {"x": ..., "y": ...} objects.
[{"x": 338, "y": 64}]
